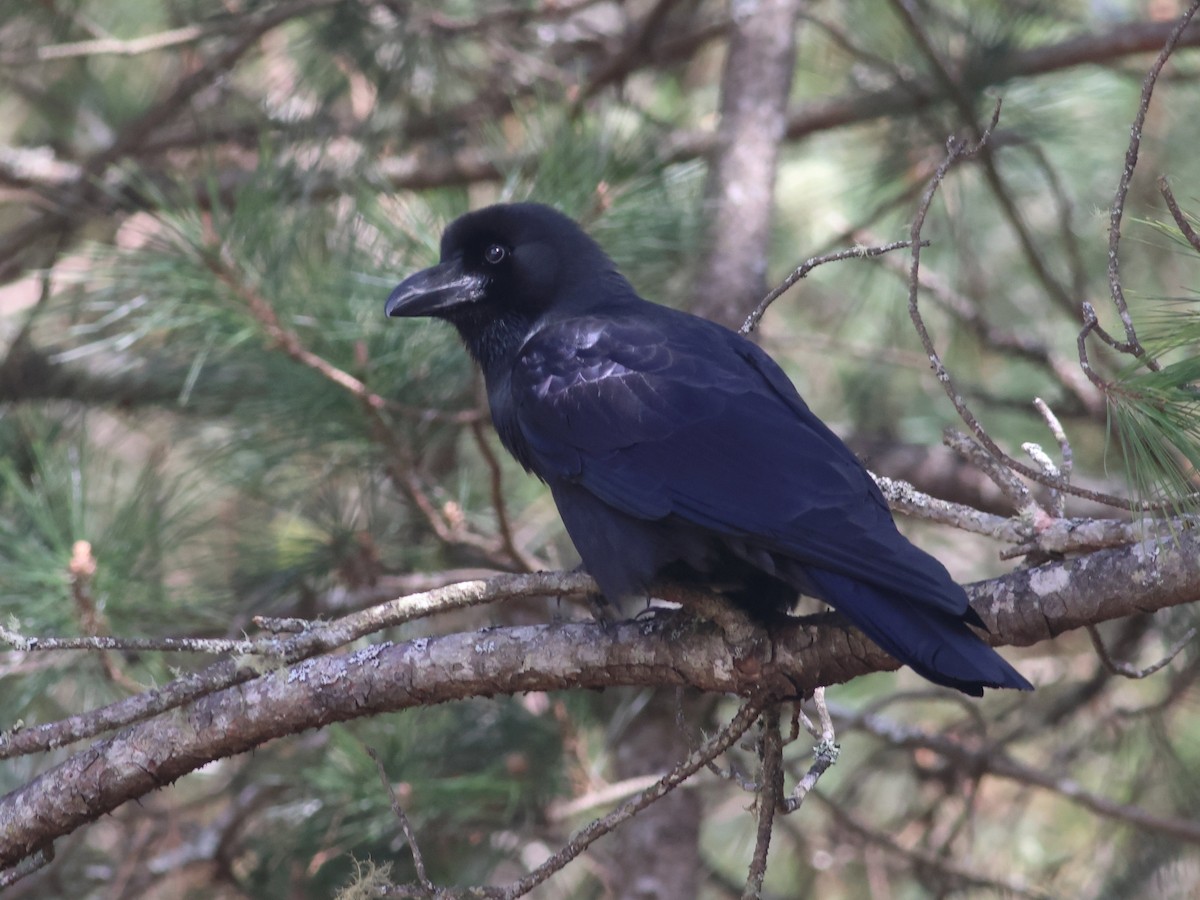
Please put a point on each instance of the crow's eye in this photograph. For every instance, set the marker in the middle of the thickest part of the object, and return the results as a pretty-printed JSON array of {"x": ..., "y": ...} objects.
[{"x": 495, "y": 253}]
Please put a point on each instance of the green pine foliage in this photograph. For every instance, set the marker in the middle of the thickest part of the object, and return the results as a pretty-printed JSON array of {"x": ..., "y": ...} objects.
[{"x": 1156, "y": 419}]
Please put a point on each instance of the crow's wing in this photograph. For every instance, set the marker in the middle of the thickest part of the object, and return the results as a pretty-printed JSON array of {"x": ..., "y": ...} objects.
[{"x": 660, "y": 414}]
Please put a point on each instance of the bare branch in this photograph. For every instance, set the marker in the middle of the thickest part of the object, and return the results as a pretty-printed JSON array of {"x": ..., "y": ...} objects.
[
  {"x": 523, "y": 561},
  {"x": 825, "y": 752},
  {"x": 122, "y": 47},
  {"x": 1125, "y": 670},
  {"x": 958, "y": 150},
  {"x": 770, "y": 799},
  {"x": 993, "y": 761},
  {"x": 1057, "y": 500},
  {"x": 1132, "y": 345},
  {"x": 405, "y": 826},
  {"x": 807, "y": 266},
  {"x": 799, "y": 656},
  {"x": 977, "y": 454},
  {"x": 584, "y": 838},
  {"x": 929, "y": 860},
  {"x": 103, "y": 643},
  {"x": 902, "y": 497},
  {"x": 38, "y": 859},
  {"x": 1181, "y": 220},
  {"x": 324, "y": 638}
]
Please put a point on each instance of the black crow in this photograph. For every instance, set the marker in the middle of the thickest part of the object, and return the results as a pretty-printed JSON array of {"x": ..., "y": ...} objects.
[{"x": 677, "y": 449}]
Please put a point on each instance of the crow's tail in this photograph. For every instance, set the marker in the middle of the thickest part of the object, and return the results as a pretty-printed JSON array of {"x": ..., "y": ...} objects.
[{"x": 933, "y": 642}]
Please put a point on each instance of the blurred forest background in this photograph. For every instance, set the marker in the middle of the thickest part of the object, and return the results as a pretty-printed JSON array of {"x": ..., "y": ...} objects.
[{"x": 201, "y": 205}]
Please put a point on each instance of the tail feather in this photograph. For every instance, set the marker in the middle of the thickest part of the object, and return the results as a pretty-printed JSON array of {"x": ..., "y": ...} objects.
[{"x": 934, "y": 643}]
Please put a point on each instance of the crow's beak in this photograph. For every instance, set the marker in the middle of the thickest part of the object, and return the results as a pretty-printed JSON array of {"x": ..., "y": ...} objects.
[{"x": 435, "y": 291}]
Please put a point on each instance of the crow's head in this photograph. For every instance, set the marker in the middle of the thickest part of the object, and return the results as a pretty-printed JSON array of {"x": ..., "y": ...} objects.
[{"x": 509, "y": 260}]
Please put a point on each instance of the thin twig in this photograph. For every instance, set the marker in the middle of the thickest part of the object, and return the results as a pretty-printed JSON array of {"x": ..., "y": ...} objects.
[
  {"x": 1132, "y": 344},
  {"x": 952, "y": 85},
  {"x": 1054, "y": 535},
  {"x": 1066, "y": 455},
  {"x": 320, "y": 639},
  {"x": 956, "y": 151},
  {"x": 975, "y": 453},
  {"x": 405, "y": 825},
  {"x": 825, "y": 752},
  {"x": 1181, "y": 220},
  {"x": 1126, "y": 670},
  {"x": 124, "y": 47},
  {"x": 807, "y": 266},
  {"x": 991, "y": 760},
  {"x": 602, "y": 796},
  {"x": 38, "y": 859},
  {"x": 104, "y": 643},
  {"x": 749, "y": 785},
  {"x": 82, "y": 570},
  {"x": 282, "y": 624},
  {"x": 770, "y": 798},
  {"x": 499, "y": 506},
  {"x": 287, "y": 340},
  {"x": 584, "y": 838},
  {"x": 925, "y": 859},
  {"x": 1091, "y": 323},
  {"x": 1035, "y": 452},
  {"x": 1066, "y": 225},
  {"x": 1022, "y": 344},
  {"x": 402, "y": 474}
]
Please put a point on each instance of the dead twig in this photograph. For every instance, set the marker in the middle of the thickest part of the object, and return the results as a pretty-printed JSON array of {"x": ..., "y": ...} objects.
[
  {"x": 405, "y": 826},
  {"x": 807, "y": 266},
  {"x": 1066, "y": 455},
  {"x": 503, "y": 524},
  {"x": 990, "y": 760},
  {"x": 1181, "y": 220},
  {"x": 958, "y": 150},
  {"x": 770, "y": 799},
  {"x": 825, "y": 752},
  {"x": 1126, "y": 670},
  {"x": 39, "y": 859},
  {"x": 584, "y": 838},
  {"x": 82, "y": 569},
  {"x": 1131, "y": 344},
  {"x": 976, "y": 453},
  {"x": 925, "y": 859}
]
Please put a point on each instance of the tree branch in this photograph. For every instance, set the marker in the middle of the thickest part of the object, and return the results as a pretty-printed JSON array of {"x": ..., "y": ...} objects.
[{"x": 1021, "y": 608}]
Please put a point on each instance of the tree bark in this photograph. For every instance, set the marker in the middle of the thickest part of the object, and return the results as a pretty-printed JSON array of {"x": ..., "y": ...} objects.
[{"x": 739, "y": 199}]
